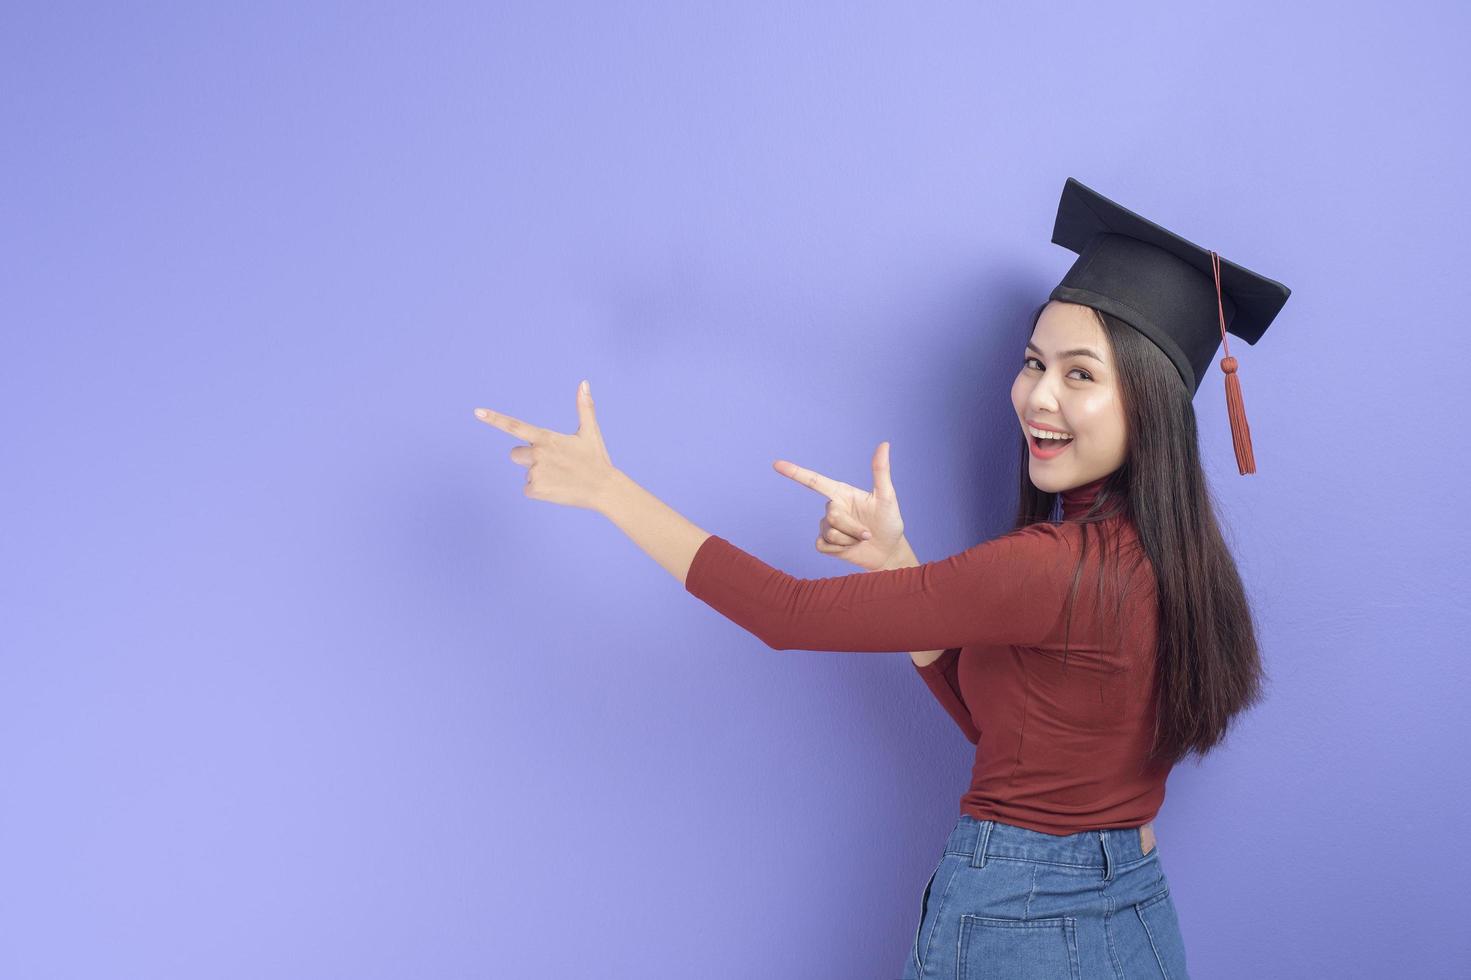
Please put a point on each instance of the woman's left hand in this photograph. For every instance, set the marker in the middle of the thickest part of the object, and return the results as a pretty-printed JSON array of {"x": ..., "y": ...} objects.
[{"x": 565, "y": 469}]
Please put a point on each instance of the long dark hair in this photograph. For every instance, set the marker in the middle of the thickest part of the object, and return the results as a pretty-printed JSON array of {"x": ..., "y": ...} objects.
[{"x": 1208, "y": 665}]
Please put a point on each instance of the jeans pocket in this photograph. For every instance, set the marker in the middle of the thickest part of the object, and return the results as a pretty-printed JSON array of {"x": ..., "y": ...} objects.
[
  {"x": 924, "y": 904},
  {"x": 1162, "y": 927},
  {"x": 1017, "y": 949}
]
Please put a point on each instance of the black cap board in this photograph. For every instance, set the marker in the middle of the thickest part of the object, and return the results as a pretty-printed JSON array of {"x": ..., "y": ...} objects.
[{"x": 1182, "y": 297}]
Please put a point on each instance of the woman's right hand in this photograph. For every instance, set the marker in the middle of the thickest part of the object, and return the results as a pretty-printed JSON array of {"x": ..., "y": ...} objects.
[{"x": 860, "y": 526}]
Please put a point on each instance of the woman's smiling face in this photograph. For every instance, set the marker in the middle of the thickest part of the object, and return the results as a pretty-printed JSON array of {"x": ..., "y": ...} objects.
[{"x": 1068, "y": 382}]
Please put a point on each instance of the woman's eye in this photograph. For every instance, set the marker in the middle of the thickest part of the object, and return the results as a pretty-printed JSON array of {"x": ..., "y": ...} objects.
[{"x": 1027, "y": 362}]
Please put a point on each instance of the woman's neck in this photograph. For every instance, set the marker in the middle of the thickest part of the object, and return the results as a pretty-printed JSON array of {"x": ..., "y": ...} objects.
[{"x": 1077, "y": 500}]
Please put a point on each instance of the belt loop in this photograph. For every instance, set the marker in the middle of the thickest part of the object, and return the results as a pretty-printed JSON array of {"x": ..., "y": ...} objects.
[
  {"x": 978, "y": 859},
  {"x": 1107, "y": 858}
]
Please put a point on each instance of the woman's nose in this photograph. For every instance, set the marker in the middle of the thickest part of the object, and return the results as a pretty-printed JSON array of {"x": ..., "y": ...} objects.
[{"x": 1043, "y": 397}]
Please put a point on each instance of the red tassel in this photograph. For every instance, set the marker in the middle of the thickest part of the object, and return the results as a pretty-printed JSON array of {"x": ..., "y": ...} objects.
[
  {"x": 1240, "y": 431},
  {"x": 1235, "y": 408}
]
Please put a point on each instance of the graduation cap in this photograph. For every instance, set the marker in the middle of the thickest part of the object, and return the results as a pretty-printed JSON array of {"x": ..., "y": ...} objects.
[{"x": 1184, "y": 298}]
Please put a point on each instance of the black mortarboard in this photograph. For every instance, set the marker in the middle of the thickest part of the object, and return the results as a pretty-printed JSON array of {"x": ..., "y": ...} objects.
[{"x": 1184, "y": 298}]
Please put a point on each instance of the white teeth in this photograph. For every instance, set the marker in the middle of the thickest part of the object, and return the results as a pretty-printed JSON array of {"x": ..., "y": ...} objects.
[{"x": 1045, "y": 434}]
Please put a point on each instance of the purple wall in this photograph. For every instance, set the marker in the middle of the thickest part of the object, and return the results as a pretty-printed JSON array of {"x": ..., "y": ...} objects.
[{"x": 296, "y": 682}]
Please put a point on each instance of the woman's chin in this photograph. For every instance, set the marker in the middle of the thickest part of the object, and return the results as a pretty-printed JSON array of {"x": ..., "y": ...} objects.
[{"x": 1046, "y": 478}]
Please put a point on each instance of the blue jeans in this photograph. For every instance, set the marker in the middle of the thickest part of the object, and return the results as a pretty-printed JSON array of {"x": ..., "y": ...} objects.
[{"x": 1007, "y": 902}]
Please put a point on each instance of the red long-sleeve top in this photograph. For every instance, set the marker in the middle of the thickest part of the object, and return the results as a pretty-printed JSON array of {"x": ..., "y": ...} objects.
[{"x": 1060, "y": 746}]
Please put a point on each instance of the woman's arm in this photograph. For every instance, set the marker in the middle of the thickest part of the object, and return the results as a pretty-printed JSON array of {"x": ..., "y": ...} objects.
[
  {"x": 669, "y": 538},
  {"x": 1010, "y": 591},
  {"x": 905, "y": 558},
  {"x": 663, "y": 533},
  {"x": 939, "y": 669}
]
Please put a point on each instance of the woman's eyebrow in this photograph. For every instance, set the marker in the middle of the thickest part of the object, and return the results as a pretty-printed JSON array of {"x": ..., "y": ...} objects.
[{"x": 1081, "y": 351}]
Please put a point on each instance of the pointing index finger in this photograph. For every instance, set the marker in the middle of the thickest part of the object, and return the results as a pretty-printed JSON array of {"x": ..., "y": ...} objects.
[
  {"x": 808, "y": 478},
  {"x": 506, "y": 423}
]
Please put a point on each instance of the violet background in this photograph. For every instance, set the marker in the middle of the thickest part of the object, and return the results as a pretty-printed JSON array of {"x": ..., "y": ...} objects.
[{"x": 295, "y": 682}]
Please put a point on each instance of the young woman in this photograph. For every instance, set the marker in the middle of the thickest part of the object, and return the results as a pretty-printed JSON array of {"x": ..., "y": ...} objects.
[{"x": 1083, "y": 655}]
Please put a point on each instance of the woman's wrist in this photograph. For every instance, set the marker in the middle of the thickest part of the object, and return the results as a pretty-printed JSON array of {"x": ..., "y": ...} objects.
[{"x": 903, "y": 556}]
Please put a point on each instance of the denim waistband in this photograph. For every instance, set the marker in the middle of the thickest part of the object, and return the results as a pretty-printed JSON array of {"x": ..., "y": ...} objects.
[{"x": 1104, "y": 851}]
